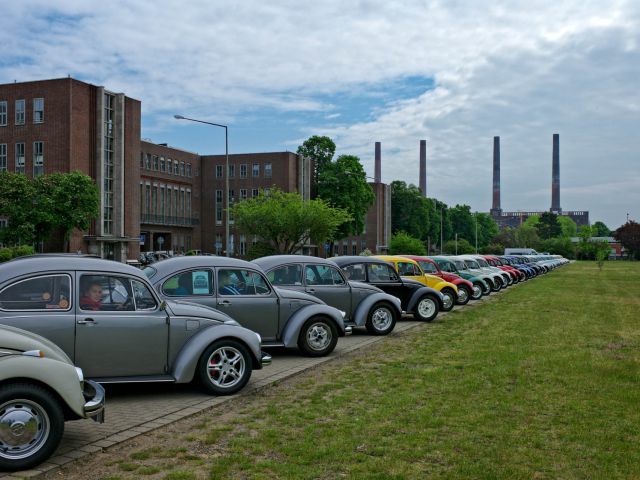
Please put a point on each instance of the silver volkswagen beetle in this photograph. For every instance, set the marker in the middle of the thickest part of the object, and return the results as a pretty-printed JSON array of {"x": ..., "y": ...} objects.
[
  {"x": 283, "y": 318},
  {"x": 108, "y": 319},
  {"x": 366, "y": 305},
  {"x": 39, "y": 389}
]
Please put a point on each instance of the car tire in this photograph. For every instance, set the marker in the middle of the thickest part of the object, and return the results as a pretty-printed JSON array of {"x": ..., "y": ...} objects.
[
  {"x": 224, "y": 367},
  {"x": 381, "y": 319},
  {"x": 426, "y": 309},
  {"x": 497, "y": 285},
  {"x": 464, "y": 295},
  {"x": 318, "y": 337},
  {"x": 478, "y": 291},
  {"x": 31, "y": 425},
  {"x": 449, "y": 300}
]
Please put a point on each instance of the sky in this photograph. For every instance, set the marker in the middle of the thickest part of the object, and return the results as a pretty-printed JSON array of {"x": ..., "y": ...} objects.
[{"x": 455, "y": 72}]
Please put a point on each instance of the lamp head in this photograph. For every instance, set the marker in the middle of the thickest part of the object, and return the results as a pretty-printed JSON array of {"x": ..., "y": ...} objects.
[{"x": 179, "y": 117}]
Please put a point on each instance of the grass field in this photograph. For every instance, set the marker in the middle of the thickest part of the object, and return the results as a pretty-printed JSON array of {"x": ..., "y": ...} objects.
[{"x": 543, "y": 381}]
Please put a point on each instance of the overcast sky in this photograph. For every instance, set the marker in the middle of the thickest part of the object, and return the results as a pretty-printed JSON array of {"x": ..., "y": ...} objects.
[{"x": 454, "y": 72}]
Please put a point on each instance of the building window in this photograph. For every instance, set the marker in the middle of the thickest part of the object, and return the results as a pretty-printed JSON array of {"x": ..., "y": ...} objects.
[
  {"x": 3, "y": 157},
  {"x": 219, "y": 207},
  {"x": 232, "y": 171},
  {"x": 169, "y": 206},
  {"x": 154, "y": 202},
  {"x": 20, "y": 112},
  {"x": 255, "y": 192},
  {"x": 147, "y": 201},
  {"x": 243, "y": 245},
  {"x": 3, "y": 113},
  {"x": 354, "y": 247},
  {"x": 162, "y": 164},
  {"x": 232, "y": 196},
  {"x": 218, "y": 244},
  {"x": 345, "y": 249},
  {"x": 188, "y": 170},
  {"x": 38, "y": 158},
  {"x": 188, "y": 207},
  {"x": 256, "y": 170},
  {"x": 147, "y": 161},
  {"x": 20, "y": 157},
  {"x": 243, "y": 193},
  {"x": 182, "y": 169},
  {"x": 176, "y": 204},
  {"x": 219, "y": 171},
  {"x": 162, "y": 203},
  {"x": 176, "y": 167},
  {"x": 155, "y": 162},
  {"x": 243, "y": 170},
  {"x": 108, "y": 164},
  {"x": 267, "y": 170},
  {"x": 38, "y": 110},
  {"x": 183, "y": 203}
]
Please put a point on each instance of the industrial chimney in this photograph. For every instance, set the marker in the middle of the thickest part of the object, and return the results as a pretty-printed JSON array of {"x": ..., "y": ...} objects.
[
  {"x": 423, "y": 167},
  {"x": 555, "y": 176},
  {"x": 378, "y": 165},
  {"x": 496, "y": 211}
]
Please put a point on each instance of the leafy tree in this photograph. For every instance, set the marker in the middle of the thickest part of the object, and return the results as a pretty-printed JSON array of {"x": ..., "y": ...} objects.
[
  {"x": 404, "y": 244},
  {"x": 320, "y": 150},
  {"x": 493, "y": 249},
  {"x": 532, "y": 221},
  {"x": 487, "y": 229},
  {"x": 601, "y": 230},
  {"x": 17, "y": 206},
  {"x": 602, "y": 251},
  {"x": 629, "y": 236},
  {"x": 343, "y": 184},
  {"x": 558, "y": 246},
  {"x": 568, "y": 226},
  {"x": 548, "y": 226},
  {"x": 461, "y": 246},
  {"x": 506, "y": 237},
  {"x": 526, "y": 236},
  {"x": 285, "y": 222},
  {"x": 462, "y": 222},
  {"x": 410, "y": 210}
]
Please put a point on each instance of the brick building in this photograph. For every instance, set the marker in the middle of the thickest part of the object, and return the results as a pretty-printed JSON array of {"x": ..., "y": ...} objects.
[{"x": 153, "y": 196}]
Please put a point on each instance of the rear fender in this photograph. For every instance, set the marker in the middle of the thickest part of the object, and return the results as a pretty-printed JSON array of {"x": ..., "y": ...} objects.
[
  {"x": 362, "y": 311},
  {"x": 296, "y": 321}
]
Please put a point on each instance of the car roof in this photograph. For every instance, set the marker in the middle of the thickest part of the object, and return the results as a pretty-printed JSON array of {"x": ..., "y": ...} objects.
[
  {"x": 349, "y": 259},
  {"x": 396, "y": 258},
  {"x": 272, "y": 261},
  {"x": 63, "y": 262},
  {"x": 174, "y": 264}
]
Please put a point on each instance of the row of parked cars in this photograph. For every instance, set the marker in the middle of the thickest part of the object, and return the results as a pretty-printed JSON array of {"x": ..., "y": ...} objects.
[{"x": 202, "y": 319}]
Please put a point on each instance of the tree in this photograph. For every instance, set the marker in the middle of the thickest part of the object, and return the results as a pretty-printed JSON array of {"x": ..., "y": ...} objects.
[
  {"x": 284, "y": 222},
  {"x": 410, "y": 210},
  {"x": 320, "y": 150},
  {"x": 404, "y": 244},
  {"x": 526, "y": 237},
  {"x": 462, "y": 222},
  {"x": 17, "y": 206},
  {"x": 506, "y": 237},
  {"x": 461, "y": 247},
  {"x": 601, "y": 230},
  {"x": 568, "y": 226},
  {"x": 487, "y": 229},
  {"x": 548, "y": 226},
  {"x": 343, "y": 184},
  {"x": 558, "y": 246},
  {"x": 629, "y": 236}
]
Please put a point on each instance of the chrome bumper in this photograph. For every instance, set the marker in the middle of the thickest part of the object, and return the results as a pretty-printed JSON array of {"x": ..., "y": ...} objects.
[
  {"x": 94, "y": 406},
  {"x": 348, "y": 330},
  {"x": 265, "y": 359}
]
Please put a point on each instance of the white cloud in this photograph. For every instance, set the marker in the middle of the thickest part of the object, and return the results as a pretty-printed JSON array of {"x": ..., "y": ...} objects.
[{"x": 521, "y": 70}]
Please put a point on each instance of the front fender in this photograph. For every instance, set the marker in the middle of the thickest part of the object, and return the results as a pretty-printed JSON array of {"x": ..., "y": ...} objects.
[
  {"x": 424, "y": 291},
  {"x": 362, "y": 310},
  {"x": 187, "y": 360},
  {"x": 294, "y": 325}
]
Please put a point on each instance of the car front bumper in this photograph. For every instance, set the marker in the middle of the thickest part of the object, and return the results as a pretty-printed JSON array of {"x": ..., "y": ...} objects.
[
  {"x": 265, "y": 359},
  {"x": 95, "y": 400}
]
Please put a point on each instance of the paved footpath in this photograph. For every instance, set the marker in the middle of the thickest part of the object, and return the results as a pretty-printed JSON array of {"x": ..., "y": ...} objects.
[{"x": 133, "y": 410}]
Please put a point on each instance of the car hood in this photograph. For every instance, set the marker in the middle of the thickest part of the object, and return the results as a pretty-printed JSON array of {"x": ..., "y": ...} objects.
[
  {"x": 295, "y": 295},
  {"x": 22, "y": 341},
  {"x": 187, "y": 309},
  {"x": 364, "y": 286}
]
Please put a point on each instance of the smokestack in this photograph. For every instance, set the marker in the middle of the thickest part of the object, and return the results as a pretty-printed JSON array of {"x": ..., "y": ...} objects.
[
  {"x": 555, "y": 176},
  {"x": 495, "y": 209},
  {"x": 378, "y": 166},
  {"x": 423, "y": 167}
]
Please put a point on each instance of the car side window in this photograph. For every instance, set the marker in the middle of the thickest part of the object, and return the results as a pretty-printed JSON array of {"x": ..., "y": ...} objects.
[
  {"x": 48, "y": 292},
  {"x": 338, "y": 279},
  {"x": 379, "y": 272},
  {"x": 193, "y": 282},
  {"x": 241, "y": 282},
  {"x": 428, "y": 267},
  {"x": 286, "y": 275},
  {"x": 322, "y": 275},
  {"x": 406, "y": 268},
  {"x": 355, "y": 272},
  {"x": 144, "y": 299},
  {"x": 106, "y": 292}
]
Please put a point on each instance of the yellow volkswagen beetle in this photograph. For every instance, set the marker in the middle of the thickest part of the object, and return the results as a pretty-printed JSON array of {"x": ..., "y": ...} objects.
[{"x": 408, "y": 268}]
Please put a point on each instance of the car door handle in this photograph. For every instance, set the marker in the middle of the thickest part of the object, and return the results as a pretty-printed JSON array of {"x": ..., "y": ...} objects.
[
  {"x": 224, "y": 303},
  {"x": 90, "y": 321},
  {"x": 311, "y": 290}
]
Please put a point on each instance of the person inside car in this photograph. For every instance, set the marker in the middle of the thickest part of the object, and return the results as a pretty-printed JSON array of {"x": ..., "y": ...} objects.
[{"x": 92, "y": 297}]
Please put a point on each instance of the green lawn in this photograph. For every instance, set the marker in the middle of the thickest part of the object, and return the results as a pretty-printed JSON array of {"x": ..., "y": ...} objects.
[{"x": 543, "y": 381}]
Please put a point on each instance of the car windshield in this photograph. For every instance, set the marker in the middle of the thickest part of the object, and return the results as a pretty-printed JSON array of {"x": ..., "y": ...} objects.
[
  {"x": 460, "y": 265},
  {"x": 471, "y": 264},
  {"x": 483, "y": 262},
  {"x": 448, "y": 267}
]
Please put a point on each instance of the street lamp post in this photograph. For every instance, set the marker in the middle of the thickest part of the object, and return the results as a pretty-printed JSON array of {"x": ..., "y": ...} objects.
[{"x": 226, "y": 175}]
